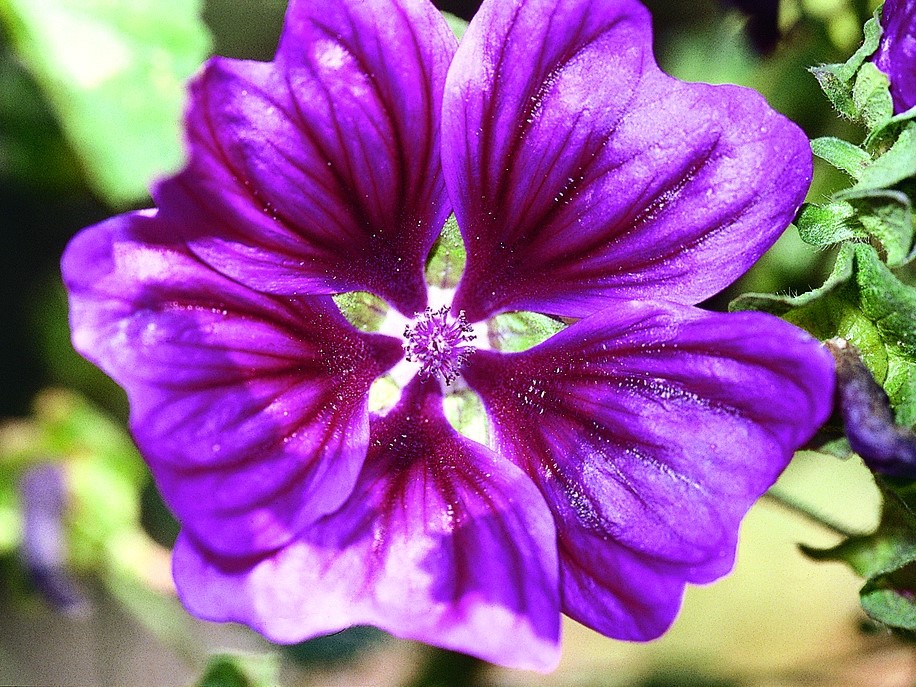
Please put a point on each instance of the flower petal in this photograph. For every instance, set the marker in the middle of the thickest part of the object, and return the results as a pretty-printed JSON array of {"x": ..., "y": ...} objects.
[
  {"x": 441, "y": 542},
  {"x": 250, "y": 409},
  {"x": 897, "y": 51},
  {"x": 320, "y": 172},
  {"x": 589, "y": 175},
  {"x": 653, "y": 427}
]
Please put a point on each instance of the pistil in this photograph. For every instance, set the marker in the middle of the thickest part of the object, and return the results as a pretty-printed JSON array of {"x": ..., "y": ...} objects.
[{"x": 437, "y": 340}]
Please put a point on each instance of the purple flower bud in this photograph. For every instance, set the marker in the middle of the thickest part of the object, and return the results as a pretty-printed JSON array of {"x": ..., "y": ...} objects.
[
  {"x": 885, "y": 446},
  {"x": 43, "y": 551}
]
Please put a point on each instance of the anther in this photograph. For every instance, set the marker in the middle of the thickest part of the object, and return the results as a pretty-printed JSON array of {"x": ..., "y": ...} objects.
[{"x": 437, "y": 341}]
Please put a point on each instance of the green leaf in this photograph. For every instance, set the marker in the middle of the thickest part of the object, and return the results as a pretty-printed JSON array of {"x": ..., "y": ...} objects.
[
  {"x": 456, "y": 24},
  {"x": 825, "y": 225},
  {"x": 891, "y": 305},
  {"x": 890, "y": 547},
  {"x": 884, "y": 217},
  {"x": 827, "y": 312},
  {"x": 886, "y": 558},
  {"x": 872, "y": 96},
  {"x": 235, "y": 670},
  {"x": 872, "y": 37},
  {"x": 838, "y": 81},
  {"x": 363, "y": 310},
  {"x": 465, "y": 412},
  {"x": 883, "y": 137},
  {"x": 114, "y": 73},
  {"x": 895, "y": 165},
  {"x": 891, "y": 598},
  {"x": 841, "y": 154},
  {"x": 447, "y": 259},
  {"x": 514, "y": 332},
  {"x": 863, "y": 302},
  {"x": 837, "y": 90}
]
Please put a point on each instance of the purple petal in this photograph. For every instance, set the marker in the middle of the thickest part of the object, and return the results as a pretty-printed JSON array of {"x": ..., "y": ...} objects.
[
  {"x": 441, "y": 541},
  {"x": 896, "y": 54},
  {"x": 653, "y": 427},
  {"x": 581, "y": 173},
  {"x": 320, "y": 172},
  {"x": 250, "y": 409}
]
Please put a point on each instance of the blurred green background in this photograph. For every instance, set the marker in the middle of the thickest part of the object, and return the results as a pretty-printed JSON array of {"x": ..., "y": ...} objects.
[{"x": 90, "y": 100}]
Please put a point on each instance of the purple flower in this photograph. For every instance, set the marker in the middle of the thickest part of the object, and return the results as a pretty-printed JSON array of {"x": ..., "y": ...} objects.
[
  {"x": 896, "y": 54},
  {"x": 588, "y": 185}
]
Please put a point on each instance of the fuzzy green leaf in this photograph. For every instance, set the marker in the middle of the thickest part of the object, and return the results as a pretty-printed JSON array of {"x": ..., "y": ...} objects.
[
  {"x": 866, "y": 304},
  {"x": 841, "y": 154},
  {"x": 838, "y": 81},
  {"x": 895, "y": 165},
  {"x": 236, "y": 670},
  {"x": 872, "y": 96},
  {"x": 114, "y": 73},
  {"x": 884, "y": 217},
  {"x": 825, "y": 225}
]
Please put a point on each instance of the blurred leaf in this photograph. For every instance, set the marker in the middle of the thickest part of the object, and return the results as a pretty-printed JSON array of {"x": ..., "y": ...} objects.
[
  {"x": 841, "y": 154},
  {"x": 32, "y": 148},
  {"x": 338, "y": 648},
  {"x": 447, "y": 258},
  {"x": 363, "y": 310},
  {"x": 114, "y": 72},
  {"x": 236, "y": 670},
  {"x": 886, "y": 558},
  {"x": 514, "y": 332},
  {"x": 891, "y": 598},
  {"x": 456, "y": 24}
]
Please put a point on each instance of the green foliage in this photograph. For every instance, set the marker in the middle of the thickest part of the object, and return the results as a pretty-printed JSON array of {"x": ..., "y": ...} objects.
[
  {"x": 841, "y": 82},
  {"x": 237, "y": 670},
  {"x": 114, "y": 73},
  {"x": 363, "y": 310},
  {"x": 456, "y": 24},
  {"x": 514, "y": 332},
  {"x": 103, "y": 470},
  {"x": 886, "y": 558},
  {"x": 841, "y": 154},
  {"x": 865, "y": 302},
  {"x": 447, "y": 258}
]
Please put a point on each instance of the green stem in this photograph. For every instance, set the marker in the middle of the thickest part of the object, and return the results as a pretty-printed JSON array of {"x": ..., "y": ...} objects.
[{"x": 808, "y": 513}]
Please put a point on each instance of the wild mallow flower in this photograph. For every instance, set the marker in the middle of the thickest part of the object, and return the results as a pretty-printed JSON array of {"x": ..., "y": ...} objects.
[
  {"x": 588, "y": 186},
  {"x": 896, "y": 55}
]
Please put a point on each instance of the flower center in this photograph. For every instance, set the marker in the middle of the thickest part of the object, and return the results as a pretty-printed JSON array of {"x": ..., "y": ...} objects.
[{"x": 438, "y": 342}]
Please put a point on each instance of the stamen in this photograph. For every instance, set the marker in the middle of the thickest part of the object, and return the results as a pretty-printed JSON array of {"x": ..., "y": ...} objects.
[{"x": 436, "y": 341}]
